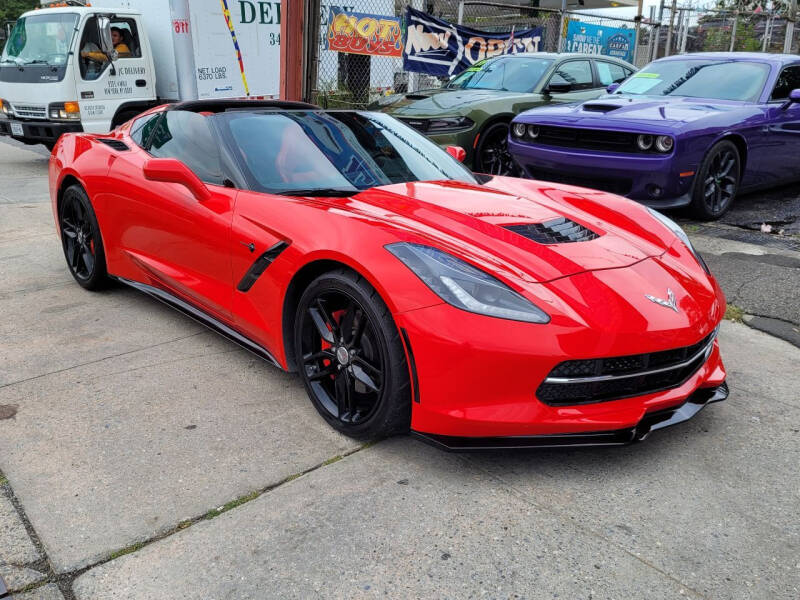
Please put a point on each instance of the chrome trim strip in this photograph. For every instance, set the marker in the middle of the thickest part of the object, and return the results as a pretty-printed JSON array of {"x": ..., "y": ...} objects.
[{"x": 703, "y": 351}]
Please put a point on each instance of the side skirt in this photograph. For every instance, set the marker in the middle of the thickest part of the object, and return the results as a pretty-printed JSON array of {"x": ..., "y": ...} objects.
[{"x": 203, "y": 318}]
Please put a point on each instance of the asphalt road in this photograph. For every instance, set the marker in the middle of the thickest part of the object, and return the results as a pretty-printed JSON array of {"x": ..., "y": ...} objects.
[{"x": 144, "y": 457}]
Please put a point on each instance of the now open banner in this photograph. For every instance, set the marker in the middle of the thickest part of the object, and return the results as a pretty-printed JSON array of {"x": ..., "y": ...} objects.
[
  {"x": 363, "y": 33},
  {"x": 441, "y": 48}
]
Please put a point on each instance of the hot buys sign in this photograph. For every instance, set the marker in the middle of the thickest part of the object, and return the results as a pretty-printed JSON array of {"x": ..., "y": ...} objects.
[{"x": 364, "y": 33}]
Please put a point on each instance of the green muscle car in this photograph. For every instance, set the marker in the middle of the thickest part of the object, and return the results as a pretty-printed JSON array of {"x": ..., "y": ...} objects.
[{"x": 474, "y": 108}]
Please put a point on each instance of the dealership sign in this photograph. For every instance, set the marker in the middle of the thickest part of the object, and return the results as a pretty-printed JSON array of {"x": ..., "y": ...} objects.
[
  {"x": 596, "y": 39},
  {"x": 441, "y": 48},
  {"x": 362, "y": 33}
]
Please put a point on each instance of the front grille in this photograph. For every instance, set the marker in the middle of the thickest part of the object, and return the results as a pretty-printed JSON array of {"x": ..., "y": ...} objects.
[
  {"x": 556, "y": 231},
  {"x": 602, "y": 379},
  {"x": 30, "y": 111},
  {"x": 621, "y": 186}
]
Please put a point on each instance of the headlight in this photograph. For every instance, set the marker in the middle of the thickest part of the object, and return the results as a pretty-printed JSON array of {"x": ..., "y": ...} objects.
[
  {"x": 645, "y": 142},
  {"x": 464, "y": 286},
  {"x": 664, "y": 143},
  {"x": 449, "y": 123},
  {"x": 681, "y": 234},
  {"x": 518, "y": 129},
  {"x": 64, "y": 111},
  {"x": 533, "y": 131}
]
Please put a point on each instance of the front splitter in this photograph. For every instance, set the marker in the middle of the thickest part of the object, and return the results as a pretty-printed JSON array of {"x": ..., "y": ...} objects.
[{"x": 617, "y": 437}]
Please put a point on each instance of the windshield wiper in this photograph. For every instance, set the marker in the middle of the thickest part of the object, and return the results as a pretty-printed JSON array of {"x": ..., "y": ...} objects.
[{"x": 319, "y": 192}]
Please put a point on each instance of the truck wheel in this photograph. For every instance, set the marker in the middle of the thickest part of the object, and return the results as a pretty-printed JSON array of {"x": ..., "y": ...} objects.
[{"x": 716, "y": 182}]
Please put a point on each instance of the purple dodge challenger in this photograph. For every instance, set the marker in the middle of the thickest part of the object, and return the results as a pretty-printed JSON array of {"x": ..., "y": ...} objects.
[{"x": 685, "y": 130}]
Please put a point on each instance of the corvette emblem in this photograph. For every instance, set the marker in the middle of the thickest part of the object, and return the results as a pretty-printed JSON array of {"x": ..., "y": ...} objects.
[{"x": 668, "y": 303}]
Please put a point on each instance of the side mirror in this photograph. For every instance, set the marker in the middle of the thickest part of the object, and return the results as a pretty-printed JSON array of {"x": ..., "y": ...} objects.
[
  {"x": 612, "y": 88},
  {"x": 171, "y": 170},
  {"x": 457, "y": 152},
  {"x": 559, "y": 88},
  {"x": 104, "y": 35}
]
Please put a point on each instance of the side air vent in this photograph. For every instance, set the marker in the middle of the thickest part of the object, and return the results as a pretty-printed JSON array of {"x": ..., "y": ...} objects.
[
  {"x": 555, "y": 231},
  {"x": 115, "y": 144},
  {"x": 601, "y": 108}
]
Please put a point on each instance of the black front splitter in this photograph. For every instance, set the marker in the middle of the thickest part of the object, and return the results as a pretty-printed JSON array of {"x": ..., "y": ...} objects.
[{"x": 617, "y": 437}]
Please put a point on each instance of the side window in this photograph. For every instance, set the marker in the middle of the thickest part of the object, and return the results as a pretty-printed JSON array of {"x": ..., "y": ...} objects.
[
  {"x": 125, "y": 38},
  {"x": 92, "y": 60},
  {"x": 142, "y": 128},
  {"x": 578, "y": 73},
  {"x": 188, "y": 137},
  {"x": 788, "y": 80},
  {"x": 609, "y": 73}
]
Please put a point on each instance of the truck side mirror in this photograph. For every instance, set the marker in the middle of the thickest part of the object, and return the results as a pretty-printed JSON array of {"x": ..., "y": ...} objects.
[{"x": 104, "y": 35}]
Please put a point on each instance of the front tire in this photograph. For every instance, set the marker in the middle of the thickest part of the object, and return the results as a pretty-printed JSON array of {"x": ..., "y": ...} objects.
[
  {"x": 716, "y": 182},
  {"x": 350, "y": 357},
  {"x": 492, "y": 156},
  {"x": 81, "y": 240}
]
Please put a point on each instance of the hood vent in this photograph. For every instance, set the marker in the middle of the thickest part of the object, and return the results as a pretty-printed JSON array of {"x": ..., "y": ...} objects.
[
  {"x": 115, "y": 144},
  {"x": 555, "y": 231},
  {"x": 601, "y": 108}
]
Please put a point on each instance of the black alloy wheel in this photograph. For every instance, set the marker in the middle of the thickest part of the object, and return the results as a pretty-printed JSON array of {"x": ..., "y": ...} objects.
[
  {"x": 716, "y": 182},
  {"x": 492, "y": 156},
  {"x": 350, "y": 357},
  {"x": 80, "y": 239}
]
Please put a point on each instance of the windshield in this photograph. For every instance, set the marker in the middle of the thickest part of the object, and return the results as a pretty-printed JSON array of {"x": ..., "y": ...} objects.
[
  {"x": 512, "y": 74},
  {"x": 40, "y": 39},
  {"x": 715, "y": 79},
  {"x": 343, "y": 151}
]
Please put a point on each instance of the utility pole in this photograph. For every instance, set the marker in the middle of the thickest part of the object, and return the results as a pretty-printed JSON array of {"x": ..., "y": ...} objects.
[
  {"x": 653, "y": 34},
  {"x": 672, "y": 11},
  {"x": 658, "y": 29},
  {"x": 735, "y": 25},
  {"x": 787, "y": 42},
  {"x": 638, "y": 30}
]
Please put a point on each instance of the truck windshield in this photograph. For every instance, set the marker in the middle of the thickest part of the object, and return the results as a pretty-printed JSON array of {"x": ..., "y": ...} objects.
[
  {"x": 312, "y": 153},
  {"x": 693, "y": 78},
  {"x": 40, "y": 39}
]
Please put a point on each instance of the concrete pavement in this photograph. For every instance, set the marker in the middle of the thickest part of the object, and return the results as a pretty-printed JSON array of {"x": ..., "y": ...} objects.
[{"x": 147, "y": 458}]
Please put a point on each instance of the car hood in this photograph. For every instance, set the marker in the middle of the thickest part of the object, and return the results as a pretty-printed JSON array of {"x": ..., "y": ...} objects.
[
  {"x": 477, "y": 222},
  {"x": 619, "y": 108},
  {"x": 445, "y": 101}
]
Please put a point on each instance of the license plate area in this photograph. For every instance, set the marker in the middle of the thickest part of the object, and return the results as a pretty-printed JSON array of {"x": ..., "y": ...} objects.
[{"x": 16, "y": 128}]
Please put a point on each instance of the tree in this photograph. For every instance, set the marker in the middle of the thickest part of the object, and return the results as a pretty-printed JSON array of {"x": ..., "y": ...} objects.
[
  {"x": 11, "y": 9},
  {"x": 780, "y": 7}
]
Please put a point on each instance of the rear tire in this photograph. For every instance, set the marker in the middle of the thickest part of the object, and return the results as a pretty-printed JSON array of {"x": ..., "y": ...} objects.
[
  {"x": 717, "y": 181},
  {"x": 350, "y": 357},
  {"x": 81, "y": 240}
]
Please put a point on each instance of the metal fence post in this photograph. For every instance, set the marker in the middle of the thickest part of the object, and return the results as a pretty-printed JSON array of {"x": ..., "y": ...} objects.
[
  {"x": 561, "y": 25},
  {"x": 638, "y": 27},
  {"x": 461, "y": 12},
  {"x": 789, "y": 33},
  {"x": 733, "y": 30},
  {"x": 685, "y": 32},
  {"x": 653, "y": 30},
  {"x": 658, "y": 30},
  {"x": 668, "y": 49}
]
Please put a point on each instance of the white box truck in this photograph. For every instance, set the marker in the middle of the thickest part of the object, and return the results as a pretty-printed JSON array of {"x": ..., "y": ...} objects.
[{"x": 77, "y": 67}]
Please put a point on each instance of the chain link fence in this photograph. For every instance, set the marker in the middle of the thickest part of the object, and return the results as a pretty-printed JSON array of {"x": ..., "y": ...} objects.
[{"x": 353, "y": 81}]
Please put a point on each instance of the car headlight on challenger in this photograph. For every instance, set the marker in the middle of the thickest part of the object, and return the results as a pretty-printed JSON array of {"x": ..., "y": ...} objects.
[
  {"x": 644, "y": 141},
  {"x": 664, "y": 143},
  {"x": 440, "y": 124},
  {"x": 64, "y": 111},
  {"x": 465, "y": 286},
  {"x": 681, "y": 235},
  {"x": 518, "y": 130}
]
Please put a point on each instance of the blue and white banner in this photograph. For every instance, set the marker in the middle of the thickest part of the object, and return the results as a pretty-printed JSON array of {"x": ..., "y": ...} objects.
[
  {"x": 597, "y": 39},
  {"x": 442, "y": 48}
]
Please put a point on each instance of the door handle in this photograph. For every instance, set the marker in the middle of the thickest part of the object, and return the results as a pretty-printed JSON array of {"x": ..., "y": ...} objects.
[{"x": 141, "y": 83}]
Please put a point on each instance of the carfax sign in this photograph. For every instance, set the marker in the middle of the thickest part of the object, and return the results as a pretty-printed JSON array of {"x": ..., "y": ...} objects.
[
  {"x": 363, "y": 33},
  {"x": 596, "y": 39}
]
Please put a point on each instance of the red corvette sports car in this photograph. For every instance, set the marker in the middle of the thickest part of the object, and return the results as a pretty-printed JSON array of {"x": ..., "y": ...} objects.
[{"x": 407, "y": 292}]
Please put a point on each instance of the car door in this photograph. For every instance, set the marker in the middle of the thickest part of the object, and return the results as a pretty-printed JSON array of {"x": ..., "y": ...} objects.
[
  {"x": 782, "y": 135},
  {"x": 177, "y": 241},
  {"x": 576, "y": 75}
]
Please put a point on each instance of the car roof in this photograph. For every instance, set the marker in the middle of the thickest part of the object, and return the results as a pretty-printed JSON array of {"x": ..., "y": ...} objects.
[{"x": 739, "y": 56}]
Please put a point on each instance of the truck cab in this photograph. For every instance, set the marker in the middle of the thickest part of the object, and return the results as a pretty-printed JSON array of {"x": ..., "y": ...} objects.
[{"x": 74, "y": 68}]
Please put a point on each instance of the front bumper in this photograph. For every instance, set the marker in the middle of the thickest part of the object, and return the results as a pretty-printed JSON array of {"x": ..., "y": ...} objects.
[
  {"x": 631, "y": 175},
  {"x": 620, "y": 437},
  {"x": 38, "y": 132}
]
